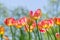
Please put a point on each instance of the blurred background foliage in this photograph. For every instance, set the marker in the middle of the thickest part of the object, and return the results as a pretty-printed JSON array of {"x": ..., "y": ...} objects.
[{"x": 53, "y": 8}]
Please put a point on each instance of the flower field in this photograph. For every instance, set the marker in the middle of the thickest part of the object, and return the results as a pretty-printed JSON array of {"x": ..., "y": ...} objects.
[{"x": 31, "y": 27}]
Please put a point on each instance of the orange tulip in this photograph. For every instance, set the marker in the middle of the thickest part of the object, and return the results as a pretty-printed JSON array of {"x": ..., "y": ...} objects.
[
  {"x": 29, "y": 20},
  {"x": 2, "y": 30},
  {"x": 9, "y": 21},
  {"x": 17, "y": 24},
  {"x": 40, "y": 25},
  {"x": 45, "y": 24},
  {"x": 36, "y": 15},
  {"x": 31, "y": 27},
  {"x": 57, "y": 21}
]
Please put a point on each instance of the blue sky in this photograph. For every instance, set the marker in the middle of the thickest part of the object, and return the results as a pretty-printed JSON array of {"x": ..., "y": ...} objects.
[{"x": 29, "y": 4}]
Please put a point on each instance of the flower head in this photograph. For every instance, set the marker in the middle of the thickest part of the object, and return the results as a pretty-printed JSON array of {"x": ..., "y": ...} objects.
[
  {"x": 30, "y": 20},
  {"x": 35, "y": 15},
  {"x": 17, "y": 24},
  {"x": 50, "y": 22},
  {"x": 9, "y": 21},
  {"x": 2, "y": 30},
  {"x": 30, "y": 28},
  {"x": 57, "y": 21},
  {"x": 23, "y": 21},
  {"x": 45, "y": 24},
  {"x": 42, "y": 30},
  {"x": 57, "y": 36}
]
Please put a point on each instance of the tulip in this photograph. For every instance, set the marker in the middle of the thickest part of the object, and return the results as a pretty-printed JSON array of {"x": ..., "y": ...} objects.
[
  {"x": 30, "y": 24},
  {"x": 9, "y": 21},
  {"x": 42, "y": 30},
  {"x": 31, "y": 27},
  {"x": 23, "y": 21},
  {"x": 57, "y": 36},
  {"x": 57, "y": 21},
  {"x": 35, "y": 15},
  {"x": 46, "y": 24},
  {"x": 43, "y": 25},
  {"x": 2, "y": 30},
  {"x": 29, "y": 20},
  {"x": 17, "y": 24},
  {"x": 50, "y": 22}
]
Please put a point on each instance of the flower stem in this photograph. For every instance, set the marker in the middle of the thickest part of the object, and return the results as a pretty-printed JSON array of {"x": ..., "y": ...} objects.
[
  {"x": 1, "y": 37},
  {"x": 35, "y": 35},
  {"x": 59, "y": 29},
  {"x": 12, "y": 33},
  {"x": 37, "y": 30},
  {"x": 53, "y": 33},
  {"x": 41, "y": 36},
  {"x": 20, "y": 37},
  {"x": 20, "y": 34},
  {"x": 48, "y": 34},
  {"x": 29, "y": 33}
]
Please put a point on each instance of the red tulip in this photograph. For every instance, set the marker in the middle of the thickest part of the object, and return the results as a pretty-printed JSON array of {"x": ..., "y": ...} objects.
[
  {"x": 51, "y": 22},
  {"x": 35, "y": 15},
  {"x": 9, "y": 21},
  {"x": 57, "y": 36},
  {"x": 42, "y": 30},
  {"x": 23, "y": 21}
]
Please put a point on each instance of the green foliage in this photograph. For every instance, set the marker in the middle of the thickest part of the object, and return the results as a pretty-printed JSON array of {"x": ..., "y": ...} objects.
[{"x": 19, "y": 12}]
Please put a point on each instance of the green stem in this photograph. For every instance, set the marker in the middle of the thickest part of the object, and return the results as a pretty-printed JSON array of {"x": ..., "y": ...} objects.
[
  {"x": 29, "y": 33},
  {"x": 37, "y": 30},
  {"x": 59, "y": 29},
  {"x": 49, "y": 35},
  {"x": 53, "y": 33},
  {"x": 12, "y": 33},
  {"x": 41, "y": 36},
  {"x": 21, "y": 34},
  {"x": 1, "y": 37},
  {"x": 35, "y": 35}
]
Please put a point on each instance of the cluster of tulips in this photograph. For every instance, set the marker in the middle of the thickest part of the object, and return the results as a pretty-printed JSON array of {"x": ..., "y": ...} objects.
[{"x": 30, "y": 24}]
